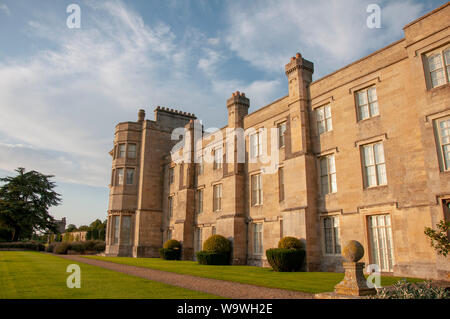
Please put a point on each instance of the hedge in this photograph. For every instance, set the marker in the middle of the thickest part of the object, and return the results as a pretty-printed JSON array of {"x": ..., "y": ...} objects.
[
  {"x": 170, "y": 254},
  {"x": 285, "y": 259},
  {"x": 29, "y": 245},
  {"x": 213, "y": 258},
  {"x": 79, "y": 246}
]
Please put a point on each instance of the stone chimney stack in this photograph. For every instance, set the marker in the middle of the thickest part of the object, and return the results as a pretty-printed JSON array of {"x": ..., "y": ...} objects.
[
  {"x": 141, "y": 116},
  {"x": 237, "y": 106}
]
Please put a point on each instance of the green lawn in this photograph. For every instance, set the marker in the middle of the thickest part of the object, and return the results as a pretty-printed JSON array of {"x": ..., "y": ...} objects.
[
  {"x": 310, "y": 282},
  {"x": 26, "y": 274}
]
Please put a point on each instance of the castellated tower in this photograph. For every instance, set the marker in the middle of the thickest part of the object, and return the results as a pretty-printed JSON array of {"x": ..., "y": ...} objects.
[{"x": 135, "y": 203}]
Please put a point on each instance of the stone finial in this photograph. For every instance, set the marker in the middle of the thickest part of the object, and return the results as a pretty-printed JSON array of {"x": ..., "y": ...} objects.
[{"x": 353, "y": 251}]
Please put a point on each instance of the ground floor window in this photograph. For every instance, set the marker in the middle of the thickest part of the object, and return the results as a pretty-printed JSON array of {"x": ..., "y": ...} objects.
[
  {"x": 116, "y": 220},
  {"x": 257, "y": 239},
  {"x": 380, "y": 233},
  {"x": 198, "y": 239},
  {"x": 126, "y": 230},
  {"x": 331, "y": 235}
]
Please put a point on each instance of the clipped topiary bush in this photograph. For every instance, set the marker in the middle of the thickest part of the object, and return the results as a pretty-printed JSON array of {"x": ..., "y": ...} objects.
[
  {"x": 170, "y": 254},
  {"x": 61, "y": 248},
  {"x": 171, "y": 250},
  {"x": 217, "y": 244},
  {"x": 213, "y": 258},
  {"x": 281, "y": 259},
  {"x": 172, "y": 244},
  {"x": 290, "y": 243}
]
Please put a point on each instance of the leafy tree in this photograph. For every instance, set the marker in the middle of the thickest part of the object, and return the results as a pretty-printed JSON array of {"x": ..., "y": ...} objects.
[
  {"x": 70, "y": 228},
  {"x": 83, "y": 228},
  {"x": 440, "y": 237},
  {"x": 24, "y": 203}
]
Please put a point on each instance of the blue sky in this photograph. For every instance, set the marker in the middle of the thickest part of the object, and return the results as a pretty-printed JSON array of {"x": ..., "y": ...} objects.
[{"x": 63, "y": 90}]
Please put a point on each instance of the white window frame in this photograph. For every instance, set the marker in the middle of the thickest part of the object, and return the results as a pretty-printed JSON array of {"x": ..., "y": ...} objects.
[
  {"x": 328, "y": 174},
  {"x": 255, "y": 144},
  {"x": 218, "y": 158},
  {"x": 331, "y": 235},
  {"x": 443, "y": 56},
  {"x": 324, "y": 119},
  {"x": 376, "y": 164},
  {"x": 256, "y": 184},
  {"x": 370, "y": 104},
  {"x": 381, "y": 241},
  {"x": 258, "y": 246},
  {"x": 217, "y": 197},
  {"x": 444, "y": 141}
]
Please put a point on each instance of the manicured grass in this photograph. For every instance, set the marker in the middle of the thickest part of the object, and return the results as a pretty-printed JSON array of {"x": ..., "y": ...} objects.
[
  {"x": 34, "y": 275},
  {"x": 310, "y": 282}
]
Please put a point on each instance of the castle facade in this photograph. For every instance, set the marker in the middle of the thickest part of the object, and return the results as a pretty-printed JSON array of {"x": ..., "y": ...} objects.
[{"x": 360, "y": 154}]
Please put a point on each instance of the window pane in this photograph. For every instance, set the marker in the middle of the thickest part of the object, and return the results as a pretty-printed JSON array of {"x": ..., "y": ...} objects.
[
  {"x": 120, "y": 176},
  {"x": 329, "y": 125},
  {"x": 116, "y": 229},
  {"x": 371, "y": 176},
  {"x": 362, "y": 98},
  {"x": 447, "y": 57},
  {"x": 320, "y": 114},
  {"x": 435, "y": 62},
  {"x": 379, "y": 153},
  {"x": 333, "y": 183},
  {"x": 374, "y": 109},
  {"x": 130, "y": 176},
  {"x": 324, "y": 183},
  {"x": 321, "y": 127},
  {"x": 446, "y": 150},
  {"x": 372, "y": 93},
  {"x": 132, "y": 150},
  {"x": 363, "y": 112},
  {"x": 381, "y": 170},
  {"x": 368, "y": 155},
  {"x": 323, "y": 166},
  {"x": 121, "y": 150},
  {"x": 253, "y": 146},
  {"x": 437, "y": 77},
  {"x": 126, "y": 230},
  {"x": 331, "y": 166}
]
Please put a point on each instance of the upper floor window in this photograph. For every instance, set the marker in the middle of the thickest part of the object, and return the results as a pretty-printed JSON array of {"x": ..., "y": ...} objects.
[
  {"x": 131, "y": 150},
  {"x": 439, "y": 68},
  {"x": 218, "y": 158},
  {"x": 331, "y": 235},
  {"x": 281, "y": 134},
  {"x": 328, "y": 175},
  {"x": 374, "y": 165},
  {"x": 255, "y": 145},
  {"x": 443, "y": 130},
  {"x": 121, "y": 153},
  {"x": 199, "y": 201},
  {"x": 130, "y": 176},
  {"x": 171, "y": 175},
  {"x": 367, "y": 102},
  {"x": 120, "y": 176},
  {"x": 257, "y": 192},
  {"x": 217, "y": 200},
  {"x": 323, "y": 118}
]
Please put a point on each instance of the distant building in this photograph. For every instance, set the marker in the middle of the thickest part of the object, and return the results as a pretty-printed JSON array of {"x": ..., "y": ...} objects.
[
  {"x": 61, "y": 225},
  {"x": 364, "y": 154},
  {"x": 74, "y": 236}
]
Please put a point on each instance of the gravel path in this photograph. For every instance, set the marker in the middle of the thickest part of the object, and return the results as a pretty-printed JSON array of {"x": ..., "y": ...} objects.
[{"x": 216, "y": 287}]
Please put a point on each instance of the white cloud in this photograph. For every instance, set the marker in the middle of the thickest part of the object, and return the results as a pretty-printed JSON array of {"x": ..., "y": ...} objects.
[
  {"x": 4, "y": 8},
  {"x": 329, "y": 33}
]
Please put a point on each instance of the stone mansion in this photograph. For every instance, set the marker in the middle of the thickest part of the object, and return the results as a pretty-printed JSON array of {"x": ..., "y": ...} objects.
[{"x": 362, "y": 154}]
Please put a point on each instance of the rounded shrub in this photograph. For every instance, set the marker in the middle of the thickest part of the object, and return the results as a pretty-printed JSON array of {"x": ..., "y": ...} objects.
[
  {"x": 99, "y": 246},
  {"x": 217, "y": 244},
  {"x": 77, "y": 246},
  {"x": 282, "y": 259},
  {"x": 172, "y": 244},
  {"x": 61, "y": 248},
  {"x": 290, "y": 243}
]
